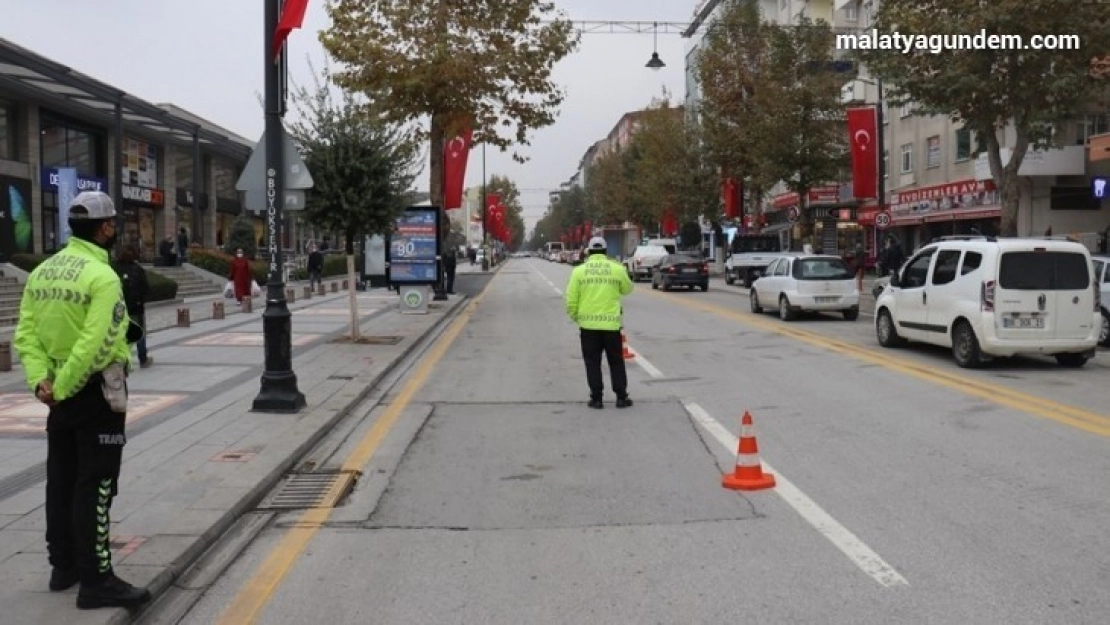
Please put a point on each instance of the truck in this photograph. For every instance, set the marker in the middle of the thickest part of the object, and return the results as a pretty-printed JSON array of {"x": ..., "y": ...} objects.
[
  {"x": 749, "y": 255},
  {"x": 620, "y": 241}
]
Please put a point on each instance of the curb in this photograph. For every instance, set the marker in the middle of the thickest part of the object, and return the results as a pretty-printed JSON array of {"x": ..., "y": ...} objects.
[{"x": 165, "y": 579}]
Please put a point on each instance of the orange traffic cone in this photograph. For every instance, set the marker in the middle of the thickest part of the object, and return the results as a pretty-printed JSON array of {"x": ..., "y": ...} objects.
[
  {"x": 627, "y": 353},
  {"x": 749, "y": 473}
]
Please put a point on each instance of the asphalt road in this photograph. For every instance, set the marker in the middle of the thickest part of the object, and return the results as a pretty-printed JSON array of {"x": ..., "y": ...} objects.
[{"x": 908, "y": 490}]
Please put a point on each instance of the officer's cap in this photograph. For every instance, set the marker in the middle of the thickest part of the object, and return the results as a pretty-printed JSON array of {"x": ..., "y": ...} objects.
[
  {"x": 95, "y": 205},
  {"x": 596, "y": 244}
]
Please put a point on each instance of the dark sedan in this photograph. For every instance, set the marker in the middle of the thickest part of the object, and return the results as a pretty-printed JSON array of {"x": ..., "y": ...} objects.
[{"x": 681, "y": 270}]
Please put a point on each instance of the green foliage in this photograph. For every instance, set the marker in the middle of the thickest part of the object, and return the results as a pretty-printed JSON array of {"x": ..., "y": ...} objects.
[
  {"x": 212, "y": 261},
  {"x": 690, "y": 235},
  {"x": 242, "y": 236},
  {"x": 362, "y": 164},
  {"x": 483, "y": 62},
  {"x": 160, "y": 288},
  {"x": 1031, "y": 90}
]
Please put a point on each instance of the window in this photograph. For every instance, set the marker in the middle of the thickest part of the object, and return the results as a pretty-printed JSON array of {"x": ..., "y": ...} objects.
[
  {"x": 1090, "y": 126},
  {"x": 66, "y": 145},
  {"x": 932, "y": 152},
  {"x": 907, "y": 109},
  {"x": 1043, "y": 271},
  {"x": 913, "y": 276},
  {"x": 851, "y": 12},
  {"x": 963, "y": 144},
  {"x": 782, "y": 267},
  {"x": 945, "y": 269},
  {"x": 822, "y": 269},
  {"x": 972, "y": 260},
  {"x": 7, "y": 131},
  {"x": 907, "y": 158}
]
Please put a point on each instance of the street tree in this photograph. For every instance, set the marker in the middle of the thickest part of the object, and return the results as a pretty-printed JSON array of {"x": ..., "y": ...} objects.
[
  {"x": 1031, "y": 91},
  {"x": 609, "y": 193},
  {"x": 362, "y": 164},
  {"x": 483, "y": 63}
]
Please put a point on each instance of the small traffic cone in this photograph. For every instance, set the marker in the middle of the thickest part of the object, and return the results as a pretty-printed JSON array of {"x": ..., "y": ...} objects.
[
  {"x": 749, "y": 473},
  {"x": 625, "y": 351}
]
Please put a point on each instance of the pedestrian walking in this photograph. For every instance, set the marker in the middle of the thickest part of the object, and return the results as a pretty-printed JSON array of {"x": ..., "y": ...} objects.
[
  {"x": 860, "y": 261},
  {"x": 315, "y": 266},
  {"x": 182, "y": 245},
  {"x": 136, "y": 290},
  {"x": 450, "y": 263},
  {"x": 593, "y": 301},
  {"x": 71, "y": 339},
  {"x": 240, "y": 276},
  {"x": 165, "y": 250}
]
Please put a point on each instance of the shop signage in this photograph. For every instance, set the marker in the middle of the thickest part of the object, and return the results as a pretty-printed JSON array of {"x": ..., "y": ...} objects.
[
  {"x": 84, "y": 182},
  {"x": 143, "y": 195},
  {"x": 828, "y": 194},
  {"x": 948, "y": 196},
  {"x": 140, "y": 163}
]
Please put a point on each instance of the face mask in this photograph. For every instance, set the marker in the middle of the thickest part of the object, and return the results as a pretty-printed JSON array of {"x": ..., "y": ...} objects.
[{"x": 239, "y": 254}]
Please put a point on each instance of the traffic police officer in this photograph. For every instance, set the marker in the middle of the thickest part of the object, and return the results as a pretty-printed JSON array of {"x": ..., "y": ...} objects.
[
  {"x": 71, "y": 339},
  {"x": 593, "y": 301}
]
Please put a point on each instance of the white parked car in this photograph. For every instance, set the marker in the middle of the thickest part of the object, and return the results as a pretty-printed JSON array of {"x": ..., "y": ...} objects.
[
  {"x": 806, "y": 283},
  {"x": 985, "y": 297},
  {"x": 1102, "y": 274}
]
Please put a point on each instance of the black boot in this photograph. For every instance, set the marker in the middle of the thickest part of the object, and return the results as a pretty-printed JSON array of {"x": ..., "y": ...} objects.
[
  {"x": 596, "y": 404},
  {"x": 624, "y": 402},
  {"x": 111, "y": 592},
  {"x": 63, "y": 579}
]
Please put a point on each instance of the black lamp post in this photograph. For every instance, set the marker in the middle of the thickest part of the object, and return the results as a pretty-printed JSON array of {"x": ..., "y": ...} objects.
[{"x": 655, "y": 63}]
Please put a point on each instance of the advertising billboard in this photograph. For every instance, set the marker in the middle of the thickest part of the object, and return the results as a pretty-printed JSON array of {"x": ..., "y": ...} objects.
[
  {"x": 414, "y": 246},
  {"x": 15, "y": 217}
]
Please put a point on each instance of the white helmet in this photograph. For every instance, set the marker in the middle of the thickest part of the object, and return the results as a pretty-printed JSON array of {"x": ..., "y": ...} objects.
[{"x": 597, "y": 244}]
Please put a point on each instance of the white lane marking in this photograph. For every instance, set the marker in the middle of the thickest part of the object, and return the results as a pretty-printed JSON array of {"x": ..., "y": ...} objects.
[
  {"x": 645, "y": 365},
  {"x": 549, "y": 282},
  {"x": 844, "y": 540}
]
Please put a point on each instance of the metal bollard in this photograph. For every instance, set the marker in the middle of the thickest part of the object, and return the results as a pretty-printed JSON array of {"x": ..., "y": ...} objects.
[
  {"x": 217, "y": 310},
  {"x": 345, "y": 286},
  {"x": 334, "y": 287},
  {"x": 290, "y": 295},
  {"x": 5, "y": 356},
  {"x": 248, "y": 304},
  {"x": 308, "y": 292},
  {"x": 183, "y": 317},
  {"x": 321, "y": 289}
]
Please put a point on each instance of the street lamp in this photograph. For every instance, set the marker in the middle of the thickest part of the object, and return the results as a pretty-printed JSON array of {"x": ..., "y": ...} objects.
[{"x": 655, "y": 63}]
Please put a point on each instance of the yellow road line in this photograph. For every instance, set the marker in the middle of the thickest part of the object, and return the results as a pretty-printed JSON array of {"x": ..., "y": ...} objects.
[
  {"x": 260, "y": 588},
  {"x": 1074, "y": 416}
]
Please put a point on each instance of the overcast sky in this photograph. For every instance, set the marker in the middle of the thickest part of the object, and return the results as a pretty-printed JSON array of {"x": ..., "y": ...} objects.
[{"x": 204, "y": 56}]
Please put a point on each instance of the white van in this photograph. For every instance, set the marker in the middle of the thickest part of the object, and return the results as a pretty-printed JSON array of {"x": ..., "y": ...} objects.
[{"x": 987, "y": 297}]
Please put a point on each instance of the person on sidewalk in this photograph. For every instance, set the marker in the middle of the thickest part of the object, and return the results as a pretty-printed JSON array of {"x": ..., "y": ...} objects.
[
  {"x": 315, "y": 266},
  {"x": 593, "y": 301},
  {"x": 165, "y": 250},
  {"x": 182, "y": 246},
  {"x": 71, "y": 339},
  {"x": 240, "y": 276},
  {"x": 450, "y": 264},
  {"x": 132, "y": 277}
]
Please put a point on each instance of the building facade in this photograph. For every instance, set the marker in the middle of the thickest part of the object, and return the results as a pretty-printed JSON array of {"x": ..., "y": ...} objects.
[{"x": 165, "y": 168}]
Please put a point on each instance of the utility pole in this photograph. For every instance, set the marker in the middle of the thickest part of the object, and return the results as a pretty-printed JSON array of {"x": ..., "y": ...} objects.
[{"x": 278, "y": 391}]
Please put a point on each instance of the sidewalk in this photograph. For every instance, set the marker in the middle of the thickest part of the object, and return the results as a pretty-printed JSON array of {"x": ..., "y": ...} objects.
[{"x": 197, "y": 458}]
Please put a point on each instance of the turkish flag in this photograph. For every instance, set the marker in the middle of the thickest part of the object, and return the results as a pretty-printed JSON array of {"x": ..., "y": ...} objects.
[
  {"x": 493, "y": 200},
  {"x": 863, "y": 136},
  {"x": 730, "y": 192},
  {"x": 292, "y": 16},
  {"x": 670, "y": 224},
  {"x": 455, "y": 153}
]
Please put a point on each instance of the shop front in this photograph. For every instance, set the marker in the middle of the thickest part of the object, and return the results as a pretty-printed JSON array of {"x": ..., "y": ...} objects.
[
  {"x": 227, "y": 211},
  {"x": 51, "y": 228},
  {"x": 835, "y": 226},
  {"x": 964, "y": 207},
  {"x": 141, "y": 207},
  {"x": 184, "y": 211}
]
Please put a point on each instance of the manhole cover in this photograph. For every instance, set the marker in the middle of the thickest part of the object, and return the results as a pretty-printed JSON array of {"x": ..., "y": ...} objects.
[{"x": 311, "y": 490}]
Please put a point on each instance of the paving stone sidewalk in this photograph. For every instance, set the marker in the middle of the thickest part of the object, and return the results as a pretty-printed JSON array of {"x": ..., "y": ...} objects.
[{"x": 197, "y": 458}]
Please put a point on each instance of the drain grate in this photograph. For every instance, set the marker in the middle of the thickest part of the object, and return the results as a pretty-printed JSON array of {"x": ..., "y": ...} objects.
[
  {"x": 372, "y": 340},
  {"x": 324, "y": 489}
]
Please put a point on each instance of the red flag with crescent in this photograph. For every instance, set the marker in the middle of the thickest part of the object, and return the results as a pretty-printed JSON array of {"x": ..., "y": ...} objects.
[
  {"x": 455, "y": 153},
  {"x": 292, "y": 16},
  {"x": 493, "y": 200},
  {"x": 670, "y": 224},
  {"x": 863, "y": 135},
  {"x": 730, "y": 193}
]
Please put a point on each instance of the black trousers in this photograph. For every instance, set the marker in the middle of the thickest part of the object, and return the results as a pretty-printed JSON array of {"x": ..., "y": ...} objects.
[
  {"x": 85, "y": 440},
  {"x": 449, "y": 271},
  {"x": 594, "y": 343}
]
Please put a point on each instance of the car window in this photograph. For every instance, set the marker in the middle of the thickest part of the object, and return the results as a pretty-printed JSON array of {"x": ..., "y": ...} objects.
[
  {"x": 945, "y": 269},
  {"x": 913, "y": 275},
  {"x": 770, "y": 270},
  {"x": 972, "y": 261},
  {"x": 1099, "y": 268},
  {"x": 1044, "y": 271},
  {"x": 782, "y": 267},
  {"x": 822, "y": 269}
]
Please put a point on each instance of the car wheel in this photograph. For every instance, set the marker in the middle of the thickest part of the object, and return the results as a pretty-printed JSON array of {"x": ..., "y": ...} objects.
[
  {"x": 1071, "y": 360},
  {"x": 885, "y": 330},
  {"x": 851, "y": 314},
  {"x": 1104, "y": 333},
  {"x": 965, "y": 347},
  {"x": 666, "y": 285},
  {"x": 728, "y": 278},
  {"x": 754, "y": 299},
  {"x": 785, "y": 312}
]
